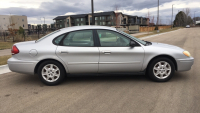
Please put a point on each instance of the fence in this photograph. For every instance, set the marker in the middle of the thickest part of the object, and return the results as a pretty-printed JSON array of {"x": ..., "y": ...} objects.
[
  {"x": 146, "y": 28},
  {"x": 28, "y": 35}
]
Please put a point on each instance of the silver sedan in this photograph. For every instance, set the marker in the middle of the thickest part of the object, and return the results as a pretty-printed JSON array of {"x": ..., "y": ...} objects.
[{"x": 96, "y": 50}]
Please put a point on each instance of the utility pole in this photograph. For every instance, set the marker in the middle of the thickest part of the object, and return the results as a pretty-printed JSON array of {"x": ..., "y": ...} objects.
[
  {"x": 158, "y": 17},
  {"x": 92, "y": 6},
  {"x": 44, "y": 20},
  {"x": 194, "y": 19},
  {"x": 172, "y": 17}
]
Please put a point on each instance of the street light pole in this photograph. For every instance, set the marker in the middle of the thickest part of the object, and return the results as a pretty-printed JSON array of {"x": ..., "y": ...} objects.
[
  {"x": 158, "y": 17},
  {"x": 44, "y": 20},
  {"x": 194, "y": 19},
  {"x": 172, "y": 17},
  {"x": 92, "y": 6}
]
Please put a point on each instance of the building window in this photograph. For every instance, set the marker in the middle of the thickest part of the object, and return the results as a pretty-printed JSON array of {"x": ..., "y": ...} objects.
[
  {"x": 81, "y": 19},
  {"x": 23, "y": 25},
  {"x": 81, "y": 23},
  {"x": 100, "y": 23},
  {"x": 108, "y": 18},
  {"x": 77, "y": 19},
  {"x": 60, "y": 25},
  {"x": 77, "y": 24},
  {"x": 104, "y": 23},
  {"x": 96, "y": 23},
  {"x": 100, "y": 18},
  {"x": 22, "y": 20},
  {"x": 103, "y": 18},
  {"x": 90, "y": 18},
  {"x": 96, "y": 18},
  {"x": 67, "y": 20}
]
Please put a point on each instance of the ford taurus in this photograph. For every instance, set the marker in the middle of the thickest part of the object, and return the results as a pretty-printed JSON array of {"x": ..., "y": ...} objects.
[{"x": 96, "y": 50}]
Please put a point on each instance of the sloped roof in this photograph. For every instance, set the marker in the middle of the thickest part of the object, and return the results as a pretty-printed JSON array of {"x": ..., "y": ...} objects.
[
  {"x": 73, "y": 16},
  {"x": 104, "y": 13}
]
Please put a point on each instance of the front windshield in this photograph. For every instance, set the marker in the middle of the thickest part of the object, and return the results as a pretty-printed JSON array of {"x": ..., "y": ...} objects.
[
  {"x": 47, "y": 35},
  {"x": 142, "y": 42}
]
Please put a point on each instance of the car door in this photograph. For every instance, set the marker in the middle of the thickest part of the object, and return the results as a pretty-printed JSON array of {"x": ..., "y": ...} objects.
[
  {"x": 116, "y": 55},
  {"x": 77, "y": 50}
]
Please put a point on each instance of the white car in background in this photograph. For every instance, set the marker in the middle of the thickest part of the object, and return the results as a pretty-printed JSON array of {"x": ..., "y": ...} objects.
[{"x": 187, "y": 26}]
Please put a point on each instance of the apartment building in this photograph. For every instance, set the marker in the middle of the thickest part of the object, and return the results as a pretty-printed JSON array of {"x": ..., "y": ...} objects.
[
  {"x": 18, "y": 20},
  {"x": 103, "y": 18}
]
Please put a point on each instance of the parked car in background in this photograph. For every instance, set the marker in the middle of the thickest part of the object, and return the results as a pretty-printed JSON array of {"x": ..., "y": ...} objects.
[
  {"x": 96, "y": 49},
  {"x": 187, "y": 26}
]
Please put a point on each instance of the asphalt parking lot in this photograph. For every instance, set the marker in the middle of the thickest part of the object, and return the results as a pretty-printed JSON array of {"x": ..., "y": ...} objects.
[{"x": 110, "y": 94}]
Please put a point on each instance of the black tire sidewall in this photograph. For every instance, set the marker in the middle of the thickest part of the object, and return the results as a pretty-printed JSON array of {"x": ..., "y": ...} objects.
[
  {"x": 152, "y": 64},
  {"x": 59, "y": 80}
]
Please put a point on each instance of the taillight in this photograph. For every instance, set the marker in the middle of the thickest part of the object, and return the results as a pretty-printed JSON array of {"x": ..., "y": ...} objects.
[{"x": 14, "y": 50}]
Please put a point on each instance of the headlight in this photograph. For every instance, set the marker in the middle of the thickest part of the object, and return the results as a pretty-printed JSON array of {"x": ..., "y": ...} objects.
[{"x": 186, "y": 53}]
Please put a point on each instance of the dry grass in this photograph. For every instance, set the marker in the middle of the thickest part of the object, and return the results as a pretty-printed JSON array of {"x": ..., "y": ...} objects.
[
  {"x": 6, "y": 45},
  {"x": 155, "y": 32},
  {"x": 3, "y": 59}
]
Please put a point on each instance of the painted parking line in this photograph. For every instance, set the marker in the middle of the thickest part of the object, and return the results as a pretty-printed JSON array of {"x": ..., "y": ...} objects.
[{"x": 4, "y": 69}]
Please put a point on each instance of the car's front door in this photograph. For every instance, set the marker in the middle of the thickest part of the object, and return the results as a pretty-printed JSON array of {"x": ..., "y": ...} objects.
[
  {"x": 116, "y": 55},
  {"x": 77, "y": 50}
]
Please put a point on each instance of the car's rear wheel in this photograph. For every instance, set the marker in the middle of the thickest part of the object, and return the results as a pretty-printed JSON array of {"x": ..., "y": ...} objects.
[
  {"x": 51, "y": 73},
  {"x": 161, "y": 69}
]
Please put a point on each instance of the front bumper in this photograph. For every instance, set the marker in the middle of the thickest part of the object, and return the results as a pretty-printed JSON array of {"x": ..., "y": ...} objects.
[
  {"x": 20, "y": 66},
  {"x": 184, "y": 64}
]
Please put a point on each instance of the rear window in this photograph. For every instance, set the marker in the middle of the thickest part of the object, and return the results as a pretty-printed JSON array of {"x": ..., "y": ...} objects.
[{"x": 47, "y": 36}]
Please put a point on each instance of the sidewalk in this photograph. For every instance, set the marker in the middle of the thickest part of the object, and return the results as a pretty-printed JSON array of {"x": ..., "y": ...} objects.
[{"x": 5, "y": 52}]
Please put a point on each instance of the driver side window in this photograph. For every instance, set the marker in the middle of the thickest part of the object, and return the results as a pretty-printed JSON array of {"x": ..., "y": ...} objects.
[{"x": 112, "y": 39}]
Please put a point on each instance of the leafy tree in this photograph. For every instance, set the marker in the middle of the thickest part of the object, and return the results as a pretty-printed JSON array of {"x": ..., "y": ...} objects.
[
  {"x": 182, "y": 19},
  {"x": 21, "y": 31}
]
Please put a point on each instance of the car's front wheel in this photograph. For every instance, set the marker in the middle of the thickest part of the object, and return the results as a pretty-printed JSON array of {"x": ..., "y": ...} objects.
[
  {"x": 51, "y": 73},
  {"x": 161, "y": 69}
]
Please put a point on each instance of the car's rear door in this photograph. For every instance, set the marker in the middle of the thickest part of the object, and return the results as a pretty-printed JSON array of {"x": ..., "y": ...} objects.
[
  {"x": 116, "y": 55},
  {"x": 79, "y": 53}
]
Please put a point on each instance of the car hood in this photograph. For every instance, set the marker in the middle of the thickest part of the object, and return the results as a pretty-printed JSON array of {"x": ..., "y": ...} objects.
[{"x": 155, "y": 44}]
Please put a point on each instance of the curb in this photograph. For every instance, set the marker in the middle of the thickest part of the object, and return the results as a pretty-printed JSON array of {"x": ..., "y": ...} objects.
[
  {"x": 157, "y": 34},
  {"x": 4, "y": 69}
]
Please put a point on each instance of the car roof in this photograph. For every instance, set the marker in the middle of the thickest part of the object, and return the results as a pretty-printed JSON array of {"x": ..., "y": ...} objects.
[{"x": 74, "y": 28}]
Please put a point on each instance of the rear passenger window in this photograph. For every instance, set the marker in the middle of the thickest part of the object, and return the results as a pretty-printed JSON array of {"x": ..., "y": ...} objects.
[
  {"x": 58, "y": 39},
  {"x": 79, "y": 38}
]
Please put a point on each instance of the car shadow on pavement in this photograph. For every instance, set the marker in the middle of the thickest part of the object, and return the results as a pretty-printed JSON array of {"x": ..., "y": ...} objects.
[{"x": 34, "y": 79}]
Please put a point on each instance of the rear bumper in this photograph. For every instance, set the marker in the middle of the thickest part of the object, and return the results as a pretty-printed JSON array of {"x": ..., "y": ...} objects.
[
  {"x": 184, "y": 64},
  {"x": 20, "y": 66}
]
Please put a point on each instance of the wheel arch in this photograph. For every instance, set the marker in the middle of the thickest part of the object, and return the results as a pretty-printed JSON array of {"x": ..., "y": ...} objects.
[
  {"x": 166, "y": 56},
  {"x": 44, "y": 60}
]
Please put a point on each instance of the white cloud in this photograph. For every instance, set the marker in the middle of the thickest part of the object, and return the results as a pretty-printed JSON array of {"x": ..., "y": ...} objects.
[{"x": 22, "y": 3}]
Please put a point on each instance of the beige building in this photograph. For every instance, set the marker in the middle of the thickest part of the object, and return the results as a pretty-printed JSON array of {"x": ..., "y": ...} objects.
[{"x": 6, "y": 20}]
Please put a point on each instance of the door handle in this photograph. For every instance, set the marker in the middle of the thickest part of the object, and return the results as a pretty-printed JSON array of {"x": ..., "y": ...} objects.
[
  {"x": 106, "y": 52},
  {"x": 64, "y": 52}
]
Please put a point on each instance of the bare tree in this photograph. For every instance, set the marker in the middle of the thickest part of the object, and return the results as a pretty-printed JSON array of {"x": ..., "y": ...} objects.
[{"x": 187, "y": 14}]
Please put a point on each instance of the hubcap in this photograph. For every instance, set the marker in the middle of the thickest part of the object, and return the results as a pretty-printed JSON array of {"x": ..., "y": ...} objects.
[
  {"x": 50, "y": 72},
  {"x": 162, "y": 69}
]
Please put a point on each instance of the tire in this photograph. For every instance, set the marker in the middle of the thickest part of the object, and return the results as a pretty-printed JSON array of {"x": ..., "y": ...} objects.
[
  {"x": 158, "y": 72},
  {"x": 51, "y": 73}
]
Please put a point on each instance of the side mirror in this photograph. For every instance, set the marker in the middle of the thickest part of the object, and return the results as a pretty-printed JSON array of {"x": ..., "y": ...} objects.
[{"x": 132, "y": 43}]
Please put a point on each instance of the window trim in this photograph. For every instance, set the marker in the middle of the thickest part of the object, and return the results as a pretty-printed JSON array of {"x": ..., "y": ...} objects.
[
  {"x": 53, "y": 41},
  {"x": 61, "y": 42},
  {"x": 99, "y": 44}
]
